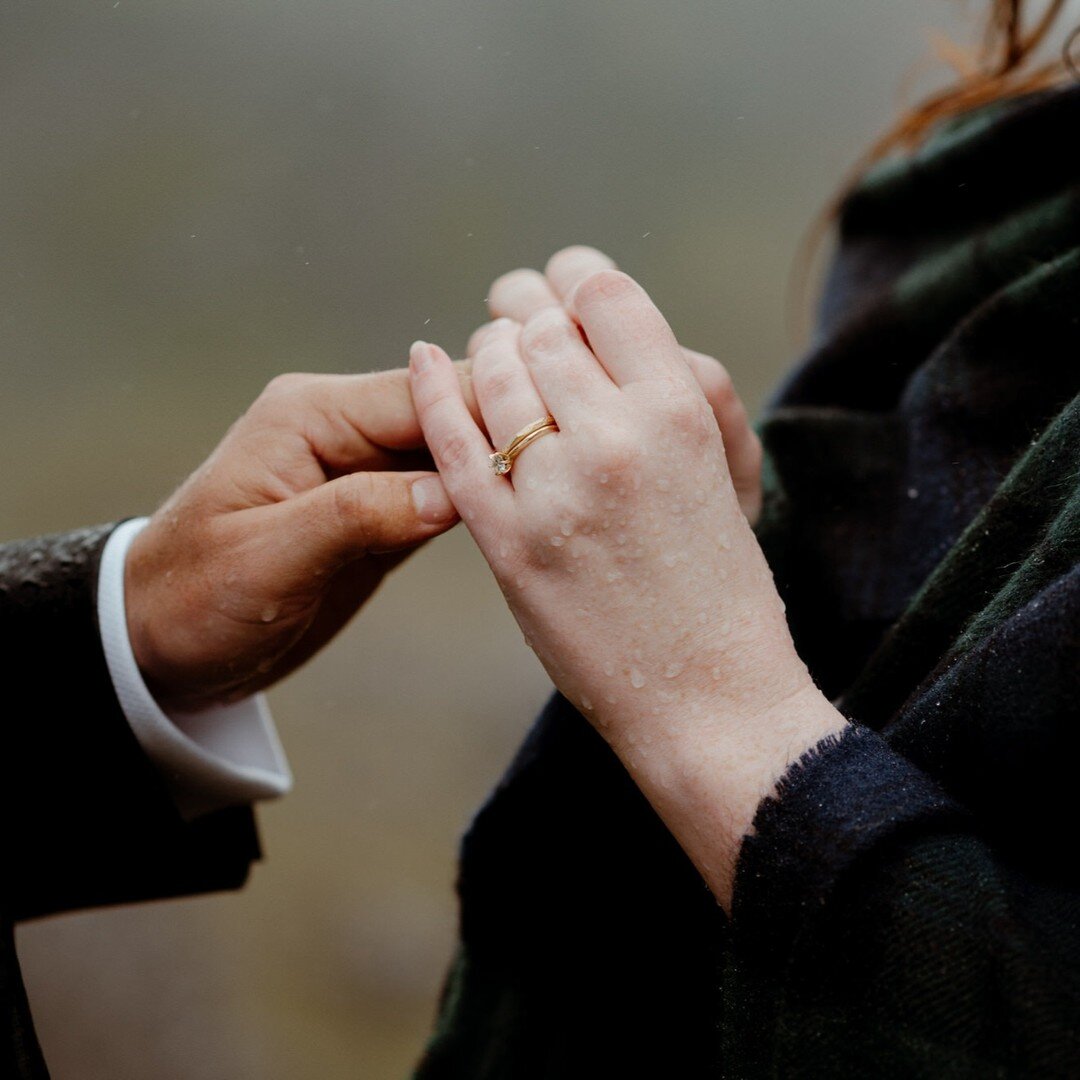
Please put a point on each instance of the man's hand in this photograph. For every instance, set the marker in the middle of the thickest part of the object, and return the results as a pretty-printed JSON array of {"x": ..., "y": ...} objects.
[
  {"x": 273, "y": 544},
  {"x": 519, "y": 294}
]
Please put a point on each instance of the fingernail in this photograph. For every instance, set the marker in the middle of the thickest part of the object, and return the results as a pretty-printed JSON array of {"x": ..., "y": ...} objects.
[
  {"x": 433, "y": 505},
  {"x": 420, "y": 355}
]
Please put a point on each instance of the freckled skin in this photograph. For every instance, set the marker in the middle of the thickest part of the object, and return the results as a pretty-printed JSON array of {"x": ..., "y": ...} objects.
[{"x": 707, "y": 706}]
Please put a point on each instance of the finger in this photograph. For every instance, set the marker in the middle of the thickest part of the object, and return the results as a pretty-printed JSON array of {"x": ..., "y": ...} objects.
[
  {"x": 505, "y": 391},
  {"x": 346, "y": 423},
  {"x": 519, "y": 294},
  {"x": 564, "y": 369},
  {"x": 480, "y": 335},
  {"x": 626, "y": 330},
  {"x": 460, "y": 450},
  {"x": 742, "y": 446},
  {"x": 365, "y": 512},
  {"x": 566, "y": 269}
]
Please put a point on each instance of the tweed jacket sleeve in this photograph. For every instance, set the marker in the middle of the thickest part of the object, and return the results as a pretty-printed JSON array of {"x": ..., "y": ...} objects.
[{"x": 86, "y": 819}]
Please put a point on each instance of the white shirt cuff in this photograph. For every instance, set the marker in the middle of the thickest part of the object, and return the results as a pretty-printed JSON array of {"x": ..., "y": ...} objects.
[{"x": 224, "y": 756}]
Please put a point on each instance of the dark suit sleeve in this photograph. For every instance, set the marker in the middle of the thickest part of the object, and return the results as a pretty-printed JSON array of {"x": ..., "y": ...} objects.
[{"x": 86, "y": 819}]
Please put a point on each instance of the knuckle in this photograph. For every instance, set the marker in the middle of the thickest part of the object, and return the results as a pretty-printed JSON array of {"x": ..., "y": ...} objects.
[
  {"x": 279, "y": 398},
  {"x": 287, "y": 385},
  {"x": 545, "y": 332},
  {"x": 685, "y": 412},
  {"x": 375, "y": 382},
  {"x": 352, "y": 498},
  {"x": 453, "y": 450},
  {"x": 494, "y": 377},
  {"x": 616, "y": 452},
  {"x": 604, "y": 285}
]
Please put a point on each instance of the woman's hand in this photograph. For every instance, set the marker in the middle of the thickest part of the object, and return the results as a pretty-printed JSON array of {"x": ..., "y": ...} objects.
[
  {"x": 520, "y": 294},
  {"x": 622, "y": 550},
  {"x": 273, "y": 544}
]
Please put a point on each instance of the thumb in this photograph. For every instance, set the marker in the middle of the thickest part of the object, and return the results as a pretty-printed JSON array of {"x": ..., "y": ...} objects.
[{"x": 365, "y": 512}]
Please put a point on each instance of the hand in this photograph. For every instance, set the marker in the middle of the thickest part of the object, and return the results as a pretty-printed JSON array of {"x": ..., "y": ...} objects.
[
  {"x": 272, "y": 545},
  {"x": 520, "y": 294},
  {"x": 626, "y": 559}
]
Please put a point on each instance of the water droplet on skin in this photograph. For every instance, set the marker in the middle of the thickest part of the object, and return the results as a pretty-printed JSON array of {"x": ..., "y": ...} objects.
[
  {"x": 725, "y": 627},
  {"x": 703, "y": 617},
  {"x": 558, "y": 541},
  {"x": 269, "y": 613},
  {"x": 637, "y": 680},
  {"x": 672, "y": 670},
  {"x": 603, "y": 477},
  {"x": 586, "y": 704},
  {"x": 613, "y": 575},
  {"x": 609, "y": 669},
  {"x": 724, "y": 541},
  {"x": 567, "y": 528},
  {"x": 717, "y": 673}
]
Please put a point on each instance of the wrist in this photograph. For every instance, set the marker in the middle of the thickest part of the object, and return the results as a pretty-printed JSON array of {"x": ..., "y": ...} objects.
[
  {"x": 708, "y": 774},
  {"x": 146, "y": 612}
]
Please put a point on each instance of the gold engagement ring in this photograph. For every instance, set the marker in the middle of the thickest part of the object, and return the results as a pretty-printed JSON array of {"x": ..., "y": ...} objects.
[{"x": 502, "y": 461}]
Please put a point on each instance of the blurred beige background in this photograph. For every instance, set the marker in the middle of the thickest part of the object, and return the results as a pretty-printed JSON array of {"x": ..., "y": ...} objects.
[{"x": 196, "y": 196}]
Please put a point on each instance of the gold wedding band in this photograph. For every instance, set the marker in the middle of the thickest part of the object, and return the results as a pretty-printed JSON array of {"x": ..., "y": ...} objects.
[{"x": 502, "y": 461}]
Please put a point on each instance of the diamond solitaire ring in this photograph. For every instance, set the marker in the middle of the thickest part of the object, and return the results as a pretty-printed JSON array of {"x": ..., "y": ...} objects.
[{"x": 502, "y": 461}]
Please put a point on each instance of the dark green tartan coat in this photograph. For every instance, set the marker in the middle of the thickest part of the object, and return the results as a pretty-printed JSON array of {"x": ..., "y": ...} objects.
[{"x": 909, "y": 903}]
